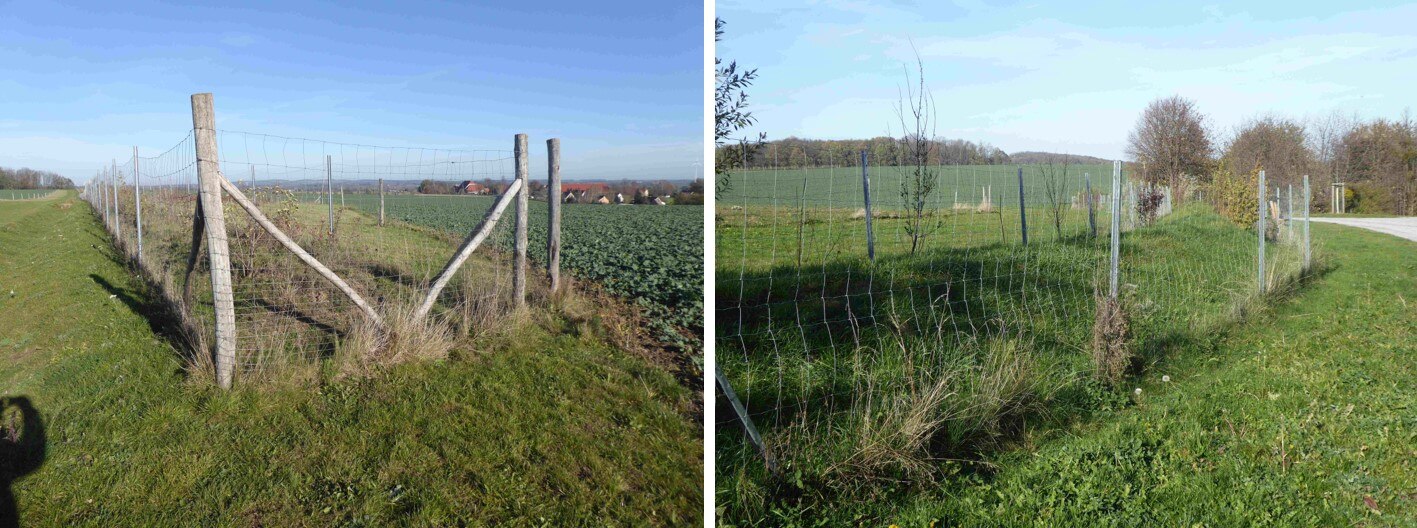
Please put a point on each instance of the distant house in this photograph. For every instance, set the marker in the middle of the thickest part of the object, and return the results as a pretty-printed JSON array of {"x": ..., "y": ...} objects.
[
  {"x": 603, "y": 200},
  {"x": 579, "y": 192},
  {"x": 470, "y": 187},
  {"x": 619, "y": 198},
  {"x": 659, "y": 201}
]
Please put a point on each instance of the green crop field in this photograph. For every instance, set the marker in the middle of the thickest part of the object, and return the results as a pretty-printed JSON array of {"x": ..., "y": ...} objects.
[{"x": 651, "y": 255}]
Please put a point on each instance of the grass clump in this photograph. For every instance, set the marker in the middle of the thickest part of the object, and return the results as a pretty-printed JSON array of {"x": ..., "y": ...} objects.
[{"x": 1111, "y": 356}]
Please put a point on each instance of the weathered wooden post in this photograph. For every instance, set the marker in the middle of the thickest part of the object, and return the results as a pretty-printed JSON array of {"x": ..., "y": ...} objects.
[
  {"x": 138, "y": 203},
  {"x": 1091, "y": 207},
  {"x": 381, "y": 202},
  {"x": 1022, "y": 210},
  {"x": 866, "y": 190},
  {"x": 218, "y": 256},
  {"x": 519, "y": 276},
  {"x": 553, "y": 208},
  {"x": 330, "y": 190},
  {"x": 1260, "y": 223},
  {"x": 1116, "y": 229}
]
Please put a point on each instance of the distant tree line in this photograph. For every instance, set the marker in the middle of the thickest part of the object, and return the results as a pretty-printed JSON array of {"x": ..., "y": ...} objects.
[
  {"x": 796, "y": 153},
  {"x": 27, "y": 178},
  {"x": 1377, "y": 158}
]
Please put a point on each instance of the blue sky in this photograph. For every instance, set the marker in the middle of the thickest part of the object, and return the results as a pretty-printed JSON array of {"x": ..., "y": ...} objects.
[
  {"x": 620, "y": 83},
  {"x": 1066, "y": 76}
]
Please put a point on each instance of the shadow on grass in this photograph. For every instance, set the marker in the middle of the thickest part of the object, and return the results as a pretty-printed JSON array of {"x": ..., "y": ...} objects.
[{"x": 22, "y": 451}]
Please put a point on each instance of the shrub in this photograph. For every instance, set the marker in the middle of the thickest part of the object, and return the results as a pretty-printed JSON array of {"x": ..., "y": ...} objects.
[{"x": 1234, "y": 195}]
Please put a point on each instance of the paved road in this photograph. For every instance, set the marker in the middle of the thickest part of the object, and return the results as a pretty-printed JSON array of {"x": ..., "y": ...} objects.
[{"x": 1405, "y": 227}]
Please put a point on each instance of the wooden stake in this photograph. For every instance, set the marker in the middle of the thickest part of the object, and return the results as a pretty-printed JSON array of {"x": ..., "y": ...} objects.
[
  {"x": 305, "y": 257},
  {"x": 381, "y": 202},
  {"x": 473, "y": 240},
  {"x": 218, "y": 255},
  {"x": 519, "y": 275},
  {"x": 553, "y": 206}
]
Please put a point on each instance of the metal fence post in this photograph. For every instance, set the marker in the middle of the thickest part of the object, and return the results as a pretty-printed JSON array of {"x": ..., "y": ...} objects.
[
  {"x": 1091, "y": 208},
  {"x": 1307, "y": 248},
  {"x": 218, "y": 256},
  {"x": 743, "y": 418},
  {"x": 519, "y": 276},
  {"x": 138, "y": 202},
  {"x": 117, "y": 221},
  {"x": 1260, "y": 193},
  {"x": 1116, "y": 228},
  {"x": 866, "y": 192},
  {"x": 1289, "y": 214},
  {"x": 330, "y": 190},
  {"x": 553, "y": 212},
  {"x": 1022, "y": 210}
]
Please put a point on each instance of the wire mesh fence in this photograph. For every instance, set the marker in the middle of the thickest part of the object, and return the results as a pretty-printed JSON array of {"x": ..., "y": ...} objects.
[
  {"x": 872, "y": 318},
  {"x": 315, "y": 267}
]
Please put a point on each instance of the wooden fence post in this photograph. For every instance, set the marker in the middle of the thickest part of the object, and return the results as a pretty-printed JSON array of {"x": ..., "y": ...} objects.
[
  {"x": 138, "y": 203},
  {"x": 381, "y": 202},
  {"x": 1022, "y": 210},
  {"x": 866, "y": 192},
  {"x": 253, "y": 177},
  {"x": 474, "y": 239},
  {"x": 519, "y": 276},
  {"x": 553, "y": 206},
  {"x": 218, "y": 256}
]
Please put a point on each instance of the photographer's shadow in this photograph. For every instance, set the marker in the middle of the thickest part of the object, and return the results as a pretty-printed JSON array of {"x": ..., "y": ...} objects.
[{"x": 22, "y": 446}]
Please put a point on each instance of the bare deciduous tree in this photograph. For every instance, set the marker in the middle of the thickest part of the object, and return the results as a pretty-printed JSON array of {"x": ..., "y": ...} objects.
[
  {"x": 916, "y": 111},
  {"x": 1055, "y": 188},
  {"x": 1172, "y": 143}
]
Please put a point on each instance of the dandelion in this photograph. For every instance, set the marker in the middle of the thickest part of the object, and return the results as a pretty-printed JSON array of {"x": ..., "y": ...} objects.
[{"x": 1165, "y": 378}]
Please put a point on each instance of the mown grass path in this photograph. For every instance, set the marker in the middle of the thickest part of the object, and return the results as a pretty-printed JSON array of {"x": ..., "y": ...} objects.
[
  {"x": 1305, "y": 415},
  {"x": 553, "y": 428}
]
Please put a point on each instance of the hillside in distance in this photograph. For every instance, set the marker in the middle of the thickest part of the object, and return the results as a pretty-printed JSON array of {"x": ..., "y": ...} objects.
[{"x": 1034, "y": 157}]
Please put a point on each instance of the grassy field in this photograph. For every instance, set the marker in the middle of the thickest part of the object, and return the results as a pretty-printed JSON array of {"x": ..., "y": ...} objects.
[
  {"x": 24, "y": 194},
  {"x": 649, "y": 255},
  {"x": 870, "y": 380},
  {"x": 842, "y": 187},
  {"x": 547, "y": 424}
]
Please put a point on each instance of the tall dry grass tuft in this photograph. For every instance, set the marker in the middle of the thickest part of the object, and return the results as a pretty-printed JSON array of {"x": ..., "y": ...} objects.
[
  {"x": 1111, "y": 355},
  {"x": 948, "y": 409},
  {"x": 403, "y": 338}
]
